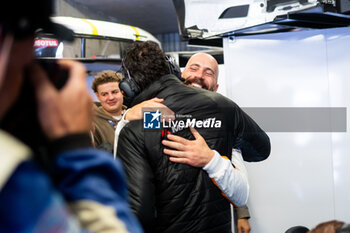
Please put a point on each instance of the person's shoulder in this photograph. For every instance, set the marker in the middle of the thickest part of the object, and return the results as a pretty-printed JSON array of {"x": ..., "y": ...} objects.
[
  {"x": 96, "y": 106},
  {"x": 101, "y": 115},
  {"x": 218, "y": 99},
  {"x": 133, "y": 128},
  {"x": 131, "y": 142}
]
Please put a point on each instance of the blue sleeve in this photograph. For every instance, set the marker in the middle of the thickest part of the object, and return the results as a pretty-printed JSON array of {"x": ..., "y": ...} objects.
[
  {"x": 29, "y": 203},
  {"x": 91, "y": 174}
]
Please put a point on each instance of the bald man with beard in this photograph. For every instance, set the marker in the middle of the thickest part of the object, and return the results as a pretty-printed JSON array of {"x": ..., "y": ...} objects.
[{"x": 202, "y": 71}]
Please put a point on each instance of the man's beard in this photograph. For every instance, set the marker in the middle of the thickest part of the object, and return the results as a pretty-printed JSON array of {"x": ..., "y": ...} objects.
[{"x": 199, "y": 82}]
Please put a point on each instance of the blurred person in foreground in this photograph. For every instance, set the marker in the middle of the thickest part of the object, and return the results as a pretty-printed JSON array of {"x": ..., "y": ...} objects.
[
  {"x": 78, "y": 188},
  {"x": 332, "y": 226},
  {"x": 175, "y": 197}
]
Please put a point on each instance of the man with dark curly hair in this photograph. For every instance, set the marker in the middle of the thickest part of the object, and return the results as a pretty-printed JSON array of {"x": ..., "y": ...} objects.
[
  {"x": 146, "y": 62},
  {"x": 176, "y": 197}
]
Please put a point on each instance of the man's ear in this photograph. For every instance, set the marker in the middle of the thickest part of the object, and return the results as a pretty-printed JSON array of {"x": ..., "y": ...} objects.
[
  {"x": 216, "y": 88},
  {"x": 98, "y": 96}
]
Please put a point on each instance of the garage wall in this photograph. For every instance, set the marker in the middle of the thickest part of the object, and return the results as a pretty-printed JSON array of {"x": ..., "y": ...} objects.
[{"x": 306, "y": 179}]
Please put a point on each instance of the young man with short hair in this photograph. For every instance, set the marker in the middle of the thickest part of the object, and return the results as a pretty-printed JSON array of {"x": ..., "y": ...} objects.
[{"x": 109, "y": 110}]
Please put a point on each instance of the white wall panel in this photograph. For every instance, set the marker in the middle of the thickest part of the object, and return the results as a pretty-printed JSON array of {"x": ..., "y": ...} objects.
[
  {"x": 339, "y": 87},
  {"x": 306, "y": 179}
]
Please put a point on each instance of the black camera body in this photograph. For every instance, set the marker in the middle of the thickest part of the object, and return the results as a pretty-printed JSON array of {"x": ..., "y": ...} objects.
[{"x": 22, "y": 118}]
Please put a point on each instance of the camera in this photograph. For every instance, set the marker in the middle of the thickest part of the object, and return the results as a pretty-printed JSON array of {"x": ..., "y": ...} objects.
[
  {"x": 22, "y": 119},
  {"x": 57, "y": 75}
]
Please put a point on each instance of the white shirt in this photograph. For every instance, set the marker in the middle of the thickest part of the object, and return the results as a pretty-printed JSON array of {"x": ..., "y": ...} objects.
[{"x": 233, "y": 181}]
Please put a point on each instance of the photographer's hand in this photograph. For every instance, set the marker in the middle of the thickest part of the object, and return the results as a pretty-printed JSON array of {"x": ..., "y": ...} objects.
[{"x": 65, "y": 111}]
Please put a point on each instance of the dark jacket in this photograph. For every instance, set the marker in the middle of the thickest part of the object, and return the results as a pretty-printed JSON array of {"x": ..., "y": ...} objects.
[{"x": 172, "y": 197}]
